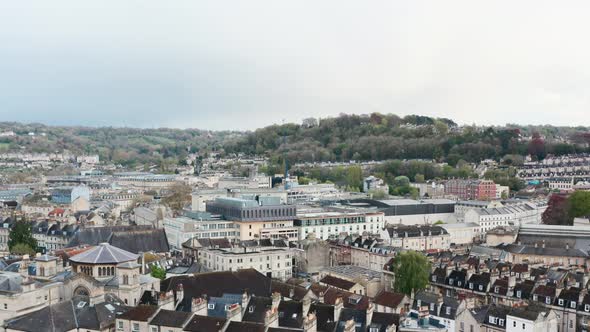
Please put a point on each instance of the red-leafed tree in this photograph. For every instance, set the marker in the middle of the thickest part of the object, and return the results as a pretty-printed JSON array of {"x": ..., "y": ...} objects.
[
  {"x": 536, "y": 146},
  {"x": 557, "y": 212}
]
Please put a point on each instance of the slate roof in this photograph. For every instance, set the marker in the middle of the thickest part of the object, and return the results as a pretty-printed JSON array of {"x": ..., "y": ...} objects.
[
  {"x": 286, "y": 290},
  {"x": 358, "y": 316},
  {"x": 381, "y": 321},
  {"x": 426, "y": 298},
  {"x": 256, "y": 309},
  {"x": 134, "y": 239},
  {"x": 520, "y": 268},
  {"x": 337, "y": 282},
  {"x": 540, "y": 251},
  {"x": 324, "y": 316},
  {"x": 290, "y": 314},
  {"x": 531, "y": 312},
  {"x": 457, "y": 276},
  {"x": 104, "y": 254},
  {"x": 245, "y": 327},
  {"x": 218, "y": 283},
  {"x": 545, "y": 290},
  {"x": 70, "y": 315},
  {"x": 439, "y": 275},
  {"x": 479, "y": 280},
  {"x": 57, "y": 317},
  {"x": 349, "y": 299},
  {"x": 205, "y": 324},
  {"x": 451, "y": 304},
  {"x": 502, "y": 285},
  {"x": 569, "y": 295},
  {"x": 141, "y": 313},
  {"x": 525, "y": 287},
  {"x": 171, "y": 318},
  {"x": 405, "y": 231},
  {"x": 216, "y": 305},
  {"x": 138, "y": 241},
  {"x": 497, "y": 311}
]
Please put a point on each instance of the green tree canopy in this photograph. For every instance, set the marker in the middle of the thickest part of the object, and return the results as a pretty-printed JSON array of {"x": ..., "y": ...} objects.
[
  {"x": 579, "y": 204},
  {"x": 419, "y": 178},
  {"x": 21, "y": 234},
  {"x": 354, "y": 177},
  {"x": 411, "y": 270},
  {"x": 401, "y": 181},
  {"x": 158, "y": 272},
  {"x": 22, "y": 249}
]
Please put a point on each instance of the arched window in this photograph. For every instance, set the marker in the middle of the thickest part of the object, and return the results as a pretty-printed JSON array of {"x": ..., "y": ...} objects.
[{"x": 100, "y": 269}]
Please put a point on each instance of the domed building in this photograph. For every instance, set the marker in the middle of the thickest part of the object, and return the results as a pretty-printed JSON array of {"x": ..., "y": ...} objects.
[
  {"x": 101, "y": 261},
  {"x": 108, "y": 269}
]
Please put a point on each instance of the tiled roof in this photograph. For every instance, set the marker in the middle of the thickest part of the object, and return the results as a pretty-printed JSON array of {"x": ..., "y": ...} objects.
[{"x": 389, "y": 299}]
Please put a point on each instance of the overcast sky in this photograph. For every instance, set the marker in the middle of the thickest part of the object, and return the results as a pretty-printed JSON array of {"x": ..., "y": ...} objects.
[{"x": 245, "y": 64}]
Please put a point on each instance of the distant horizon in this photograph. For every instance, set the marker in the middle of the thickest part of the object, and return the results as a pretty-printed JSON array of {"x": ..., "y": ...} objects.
[{"x": 286, "y": 122}]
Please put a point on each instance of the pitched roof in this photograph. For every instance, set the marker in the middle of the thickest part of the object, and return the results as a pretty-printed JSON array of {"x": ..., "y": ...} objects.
[
  {"x": 205, "y": 324},
  {"x": 141, "y": 313},
  {"x": 257, "y": 308},
  {"x": 290, "y": 314},
  {"x": 337, "y": 282},
  {"x": 134, "y": 239},
  {"x": 245, "y": 327},
  {"x": 171, "y": 318},
  {"x": 294, "y": 292},
  {"x": 218, "y": 283},
  {"x": 104, "y": 254},
  {"x": 389, "y": 299},
  {"x": 349, "y": 299},
  {"x": 324, "y": 316},
  {"x": 70, "y": 315},
  {"x": 382, "y": 320},
  {"x": 545, "y": 290}
]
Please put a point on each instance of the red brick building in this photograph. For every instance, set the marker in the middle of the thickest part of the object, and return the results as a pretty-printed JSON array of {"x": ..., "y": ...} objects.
[{"x": 471, "y": 189}]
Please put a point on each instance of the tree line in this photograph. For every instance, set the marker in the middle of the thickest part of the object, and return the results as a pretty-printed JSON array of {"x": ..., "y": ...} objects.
[{"x": 387, "y": 136}]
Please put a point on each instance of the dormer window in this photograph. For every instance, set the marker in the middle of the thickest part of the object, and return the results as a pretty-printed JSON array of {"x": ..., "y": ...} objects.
[
  {"x": 251, "y": 309},
  {"x": 448, "y": 310},
  {"x": 459, "y": 283},
  {"x": 548, "y": 300},
  {"x": 418, "y": 303},
  {"x": 587, "y": 307},
  {"x": 451, "y": 281},
  {"x": 211, "y": 306},
  {"x": 496, "y": 289},
  {"x": 434, "y": 278},
  {"x": 501, "y": 322},
  {"x": 535, "y": 297},
  {"x": 470, "y": 285},
  {"x": 432, "y": 307},
  {"x": 560, "y": 301},
  {"x": 481, "y": 287},
  {"x": 573, "y": 305},
  {"x": 519, "y": 294}
]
